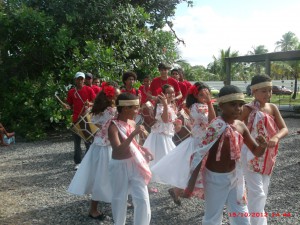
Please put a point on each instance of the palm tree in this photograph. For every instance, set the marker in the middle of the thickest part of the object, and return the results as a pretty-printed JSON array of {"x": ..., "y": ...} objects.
[
  {"x": 261, "y": 49},
  {"x": 218, "y": 67},
  {"x": 290, "y": 42}
]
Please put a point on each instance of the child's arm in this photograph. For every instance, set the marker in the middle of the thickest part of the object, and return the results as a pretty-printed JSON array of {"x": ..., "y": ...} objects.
[
  {"x": 257, "y": 147},
  {"x": 211, "y": 110},
  {"x": 165, "y": 115},
  {"x": 116, "y": 143},
  {"x": 283, "y": 130},
  {"x": 147, "y": 154}
]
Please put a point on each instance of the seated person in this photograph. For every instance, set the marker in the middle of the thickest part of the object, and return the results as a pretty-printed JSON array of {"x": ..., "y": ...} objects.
[{"x": 4, "y": 132}]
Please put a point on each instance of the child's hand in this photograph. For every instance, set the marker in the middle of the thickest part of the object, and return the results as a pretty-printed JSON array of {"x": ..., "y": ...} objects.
[
  {"x": 139, "y": 129},
  {"x": 66, "y": 106},
  {"x": 273, "y": 141},
  {"x": 162, "y": 98},
  {"x": 177, "y": 125},
  {"x": 261, "y": 141},
  {"x": 207, "y": 96},
  {"x": 147, "y": 154}
]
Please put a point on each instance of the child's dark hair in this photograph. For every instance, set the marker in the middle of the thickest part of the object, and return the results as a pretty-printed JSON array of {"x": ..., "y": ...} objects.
[
  {"x": 165, "y": 87},
  {"x": 190, "y": 98},
  {"x": 101, "y": 103},
  {"x": 229, "y": 89},
  {"x": 259, "y": 79},
  {"x": 125, "y": 96},
  {"x": 128, "y": 74}
]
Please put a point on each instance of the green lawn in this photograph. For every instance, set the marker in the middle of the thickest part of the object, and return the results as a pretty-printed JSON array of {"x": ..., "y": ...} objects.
[{"x": 280, "y": 99}]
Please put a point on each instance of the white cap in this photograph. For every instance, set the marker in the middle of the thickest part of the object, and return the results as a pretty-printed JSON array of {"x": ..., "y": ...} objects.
[{"x": 79, "y": 74}]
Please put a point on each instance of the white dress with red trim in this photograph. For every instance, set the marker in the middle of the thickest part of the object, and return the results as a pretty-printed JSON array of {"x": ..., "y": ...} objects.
[
  {"x": 92, "y": 177},
  {"x": 159, "y": 142},
  {"x": 174, "y": 168}
]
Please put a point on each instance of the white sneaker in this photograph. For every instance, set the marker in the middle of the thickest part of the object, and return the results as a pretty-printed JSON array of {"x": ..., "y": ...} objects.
[{"x": 76, "y": 166}]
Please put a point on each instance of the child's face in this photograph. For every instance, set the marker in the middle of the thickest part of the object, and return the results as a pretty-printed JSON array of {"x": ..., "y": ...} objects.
[
  {"x": 132, "y": 111},
  {"x": 130, "y": 81},
  {"x": 146, "y": 82},
  {"x": 96, "y": 82},
  {"x": 175, "y": 75},
  {"x": 263, "y": 95},
  {"x": 232, "y": 110},
  {"x": 202, "y": 95},
  {"x": 163, "y": 72},
  {"x": 170, "y": 94}
]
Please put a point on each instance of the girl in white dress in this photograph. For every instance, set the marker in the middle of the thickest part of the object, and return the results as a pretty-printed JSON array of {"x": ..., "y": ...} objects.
[
  {"x": 174, "y": 169},
  {"x": 159, "y": 141},
  {"x": 92, "y": 177}
]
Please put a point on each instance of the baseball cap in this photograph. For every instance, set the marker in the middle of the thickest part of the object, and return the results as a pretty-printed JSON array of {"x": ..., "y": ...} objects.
[
  {"x": 79, "y": 74},
  {"x": 89, "y": 75}
]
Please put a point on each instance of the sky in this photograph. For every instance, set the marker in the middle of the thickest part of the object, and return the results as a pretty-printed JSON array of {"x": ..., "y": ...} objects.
[{"x": 212, "y": 25}]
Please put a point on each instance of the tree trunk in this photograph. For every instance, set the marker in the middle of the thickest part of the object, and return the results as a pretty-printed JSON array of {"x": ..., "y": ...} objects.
[{"x": 295, "y": 85}]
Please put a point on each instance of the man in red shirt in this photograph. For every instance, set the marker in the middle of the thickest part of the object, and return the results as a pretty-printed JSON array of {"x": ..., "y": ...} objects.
[
  {"x": 79, "y": 98},
  {"x": 89, "y": 82},
  {"x": 158, "y": 82}
]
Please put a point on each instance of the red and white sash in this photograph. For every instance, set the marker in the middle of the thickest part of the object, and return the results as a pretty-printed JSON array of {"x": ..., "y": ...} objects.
[{"x": 135, "y": 150}]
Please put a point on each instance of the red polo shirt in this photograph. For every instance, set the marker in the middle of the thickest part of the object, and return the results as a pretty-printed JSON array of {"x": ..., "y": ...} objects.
[
  {"x": 157, "y": 83},
  {"x": 73, "y": 99}
]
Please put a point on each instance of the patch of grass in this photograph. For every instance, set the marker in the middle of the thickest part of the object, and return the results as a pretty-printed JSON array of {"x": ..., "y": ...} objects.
[{"x": 280, "y": 99}]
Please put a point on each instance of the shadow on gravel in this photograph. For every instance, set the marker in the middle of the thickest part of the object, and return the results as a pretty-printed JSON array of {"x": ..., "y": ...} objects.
[{"x": 75, "y": 213}]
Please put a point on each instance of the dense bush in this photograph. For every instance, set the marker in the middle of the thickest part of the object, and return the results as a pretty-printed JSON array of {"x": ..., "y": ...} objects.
[{"x": 44, "y": 43}]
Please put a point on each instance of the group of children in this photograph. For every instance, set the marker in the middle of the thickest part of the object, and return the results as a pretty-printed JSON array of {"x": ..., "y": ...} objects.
[{"x": 242, "y": 143}]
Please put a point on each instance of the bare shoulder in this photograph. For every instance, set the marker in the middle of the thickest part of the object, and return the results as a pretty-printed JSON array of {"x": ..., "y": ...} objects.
[{"x": 273, "y": 109}]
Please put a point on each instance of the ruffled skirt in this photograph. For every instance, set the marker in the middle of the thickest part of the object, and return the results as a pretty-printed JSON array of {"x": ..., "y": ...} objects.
[
  {"x": 92, "y": 177},
  {"x": 174, "y": 168}
]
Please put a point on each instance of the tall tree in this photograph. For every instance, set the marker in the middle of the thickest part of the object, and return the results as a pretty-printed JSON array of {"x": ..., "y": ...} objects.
[
  {"x": 289, "y": 42},
  {"x": 218, "y": 66},
  {"x": 43, "y": 43},
  {"x": 258, "y": 50}
]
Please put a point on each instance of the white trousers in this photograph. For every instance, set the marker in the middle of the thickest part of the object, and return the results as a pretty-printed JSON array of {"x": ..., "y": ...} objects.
[
  {"x": 257, "y": 191},
  {"x": 126, "y": 178},
  {"x": 220, "y": 190}
]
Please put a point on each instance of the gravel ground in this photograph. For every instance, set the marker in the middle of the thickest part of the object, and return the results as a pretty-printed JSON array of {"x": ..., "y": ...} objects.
[{"x": 34, "y": 178}]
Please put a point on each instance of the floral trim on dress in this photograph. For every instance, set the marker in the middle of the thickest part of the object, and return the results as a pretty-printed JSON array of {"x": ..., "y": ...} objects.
[
  {"x": 103, "y": 121},
  {"x": 199, "y": 119},
  {"x": 261, "y": 123},
  {"x": 218, "y": 129},
  {"x": 160, "y": 126}
]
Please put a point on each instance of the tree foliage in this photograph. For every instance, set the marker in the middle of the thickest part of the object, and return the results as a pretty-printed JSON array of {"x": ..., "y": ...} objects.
[{"x": 44, "y": 43}]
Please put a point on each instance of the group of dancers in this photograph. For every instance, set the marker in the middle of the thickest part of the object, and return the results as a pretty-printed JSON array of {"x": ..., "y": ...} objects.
[{"x": 213, "y": 163}]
